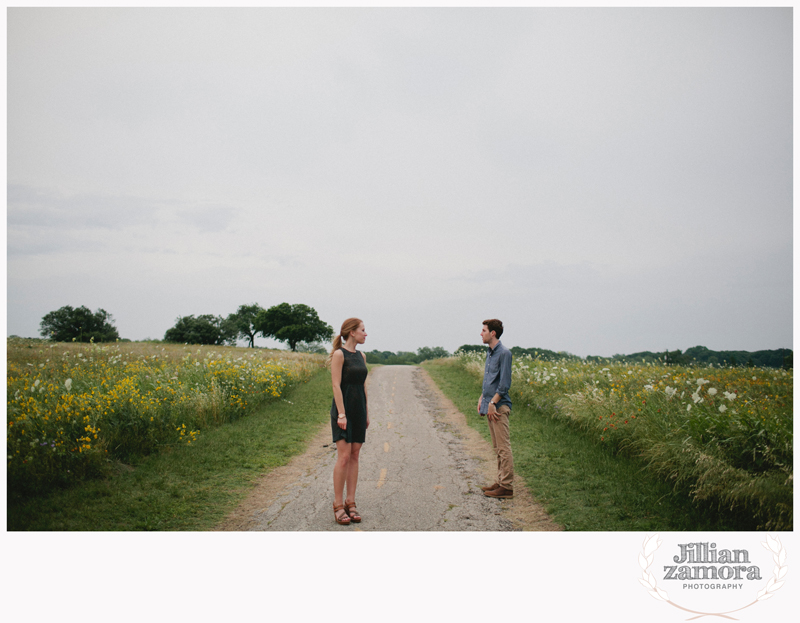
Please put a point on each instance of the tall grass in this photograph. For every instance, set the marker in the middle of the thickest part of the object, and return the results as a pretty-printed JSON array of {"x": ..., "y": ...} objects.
[
  {"x": 74, "y": 408},
  {"x": 722, "y": 435},
  {"x": 185, "y": 487}
]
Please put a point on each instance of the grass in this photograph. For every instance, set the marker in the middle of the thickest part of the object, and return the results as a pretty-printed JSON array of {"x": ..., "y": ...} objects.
[
  {"x": 580, "y": 482},
  {"x": 185, "y": 487},
  {"x": 74, "y": 408}
]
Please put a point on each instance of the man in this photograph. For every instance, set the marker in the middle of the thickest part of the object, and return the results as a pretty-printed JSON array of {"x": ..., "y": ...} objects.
[{"x": 495, "y": 404}]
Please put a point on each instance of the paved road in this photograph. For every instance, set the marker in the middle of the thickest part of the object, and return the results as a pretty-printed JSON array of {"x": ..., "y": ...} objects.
[{"x": 416, "y": 472}]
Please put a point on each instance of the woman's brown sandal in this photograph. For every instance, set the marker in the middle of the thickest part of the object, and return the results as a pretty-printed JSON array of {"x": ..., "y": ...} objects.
[
  {"x": 344, "y": 518},
  {"x": 351, "y": 510}
]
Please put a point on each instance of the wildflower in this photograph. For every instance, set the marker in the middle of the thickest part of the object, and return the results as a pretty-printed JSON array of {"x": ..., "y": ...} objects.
[
  {"x": 712, "y": 391},
  {"x": 696, "y": 397},
  {"x": 730, "y": 395},
  {"x": 723, "y": 409},
  {"x": 701, "y": 382},
  {"x": 68, "y": 384},
  {"x": 670, "y": 391}
]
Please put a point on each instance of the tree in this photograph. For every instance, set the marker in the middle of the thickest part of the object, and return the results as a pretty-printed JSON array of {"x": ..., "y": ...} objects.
[
  {"x": 205, "y": 329},
  {"x": 472, "y": 348},
  {"x": 292, "y": 324},
  {"x": 674, "y": 358},
  {"x": 78, "y": 325},
  {"x": 243, "y": 322},
  {"x": 426, "y": 352}
]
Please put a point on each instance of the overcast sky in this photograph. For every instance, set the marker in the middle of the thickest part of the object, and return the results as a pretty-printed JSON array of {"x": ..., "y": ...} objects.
[{"x": 602, "y": 180}]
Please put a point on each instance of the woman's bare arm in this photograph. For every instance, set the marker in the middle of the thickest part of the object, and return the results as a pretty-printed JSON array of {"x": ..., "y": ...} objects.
[{"x": 337, "y": 361}]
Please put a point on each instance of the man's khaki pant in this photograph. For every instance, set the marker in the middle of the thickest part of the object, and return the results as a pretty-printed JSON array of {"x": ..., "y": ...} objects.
[{"x": 501, "y": 443}]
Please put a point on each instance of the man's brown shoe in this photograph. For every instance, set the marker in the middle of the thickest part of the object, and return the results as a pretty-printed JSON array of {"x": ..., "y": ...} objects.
[
  {"x": 490, "y": 487},
  {"x": 500, "y": 492}
]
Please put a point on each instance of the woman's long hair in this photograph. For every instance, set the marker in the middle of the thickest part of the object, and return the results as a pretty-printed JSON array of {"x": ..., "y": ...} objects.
[{"x": 348, "y": 326}]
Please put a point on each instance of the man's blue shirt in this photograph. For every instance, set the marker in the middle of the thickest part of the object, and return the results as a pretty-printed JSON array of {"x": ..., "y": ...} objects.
[{"x": 496, "y": 377}]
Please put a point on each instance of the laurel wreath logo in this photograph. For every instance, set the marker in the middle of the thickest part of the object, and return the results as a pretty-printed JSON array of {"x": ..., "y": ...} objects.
[{"x": 648, "y": 580}]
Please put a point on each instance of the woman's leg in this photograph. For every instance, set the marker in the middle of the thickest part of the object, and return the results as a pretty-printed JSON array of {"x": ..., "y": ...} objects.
[
  {"x": 352, "y": 472},
  {"x": 340, "y": 470}
]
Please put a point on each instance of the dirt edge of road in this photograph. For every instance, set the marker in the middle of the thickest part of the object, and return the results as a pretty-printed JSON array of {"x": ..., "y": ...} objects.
[
  {"x": 523, "y": 511},
  {"x": 269, "y": 486}
]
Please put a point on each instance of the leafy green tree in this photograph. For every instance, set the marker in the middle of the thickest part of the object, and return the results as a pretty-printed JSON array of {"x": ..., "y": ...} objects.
[
  {"x": 204, "y": 329},
  {"x": 78, "y": 324},
  {"x": 426, "y": 352},
  {"x": 473, "y": 348},
  {"x": 242, "y": 321},
  {"x": 674, "y": 357},
  {"x": 292, "y": 324}
]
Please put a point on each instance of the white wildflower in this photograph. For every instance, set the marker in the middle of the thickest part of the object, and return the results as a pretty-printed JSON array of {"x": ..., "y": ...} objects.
[
  {"x": 723, "y": 409},
  {"x": 730, "y": 395},
  {"x": 701, "y": 382},
  {"x": 712, "y": 391},
  {"x": 670, "y": 391},
  {"x": 68, "y": 384},
  {"x": 696, "y": 397}
]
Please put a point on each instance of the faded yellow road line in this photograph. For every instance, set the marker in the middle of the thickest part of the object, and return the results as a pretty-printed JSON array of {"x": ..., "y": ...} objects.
[{"x": 382, "y": 479}]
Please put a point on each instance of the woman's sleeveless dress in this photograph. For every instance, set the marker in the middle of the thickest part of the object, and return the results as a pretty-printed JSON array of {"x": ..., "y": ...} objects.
[{"x": 354, "y": 374}]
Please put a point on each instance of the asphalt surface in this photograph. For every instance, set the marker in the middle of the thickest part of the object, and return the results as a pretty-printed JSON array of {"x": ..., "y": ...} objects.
[{"x": 415, "y": 471}]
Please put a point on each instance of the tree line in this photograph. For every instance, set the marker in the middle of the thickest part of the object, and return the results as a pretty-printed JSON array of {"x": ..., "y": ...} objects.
[
  {"x": 388, "y": 358},
  {"x": 296, "y": 325},
  {"x": 780, "y": 358},
  {"x": 300, "y": 328}
]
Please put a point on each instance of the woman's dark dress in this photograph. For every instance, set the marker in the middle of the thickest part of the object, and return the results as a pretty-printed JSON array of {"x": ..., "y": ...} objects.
[{"x": 354, "y": 373}]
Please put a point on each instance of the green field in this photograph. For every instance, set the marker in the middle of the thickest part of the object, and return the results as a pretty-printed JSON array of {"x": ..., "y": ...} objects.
[
  {"x": 74, "y": 409},
  {"x": 157, "y": 437},
  {"x": 184, "y": 487}
]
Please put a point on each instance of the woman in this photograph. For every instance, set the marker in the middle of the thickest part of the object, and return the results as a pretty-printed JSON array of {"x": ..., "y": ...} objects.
[{"x": 349, "y": 416}]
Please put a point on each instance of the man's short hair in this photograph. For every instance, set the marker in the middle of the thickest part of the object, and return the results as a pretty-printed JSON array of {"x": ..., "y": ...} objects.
[{"x": 495, "y": 325}]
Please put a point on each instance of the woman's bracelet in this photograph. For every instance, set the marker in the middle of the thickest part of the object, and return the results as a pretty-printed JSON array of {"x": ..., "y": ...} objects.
[{"x": 342, "y": 416}]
